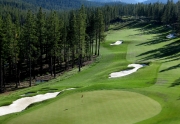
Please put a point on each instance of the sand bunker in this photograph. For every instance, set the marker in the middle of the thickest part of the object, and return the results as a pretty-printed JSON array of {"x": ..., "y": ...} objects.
[
  {"x": 126, "y": 72},
  {"x": 23, "y": 103},
  {"x": 170, "y": 36},
  {"x": 117, "y": 43}
]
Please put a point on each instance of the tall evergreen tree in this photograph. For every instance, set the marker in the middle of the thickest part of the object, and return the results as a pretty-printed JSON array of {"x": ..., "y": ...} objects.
[
  {"x": 53, "y": 39},
  {"x": 16, "y": 38},
  {"x": 1, "y": 54},
  {"x": 9, "y": 39},
  {"x": 73, "y": 36},
  {"x": 166, "y": 18},
  {"x": 91, "y": 31},
  {"x": 30, "y": 42},
  {"x": 178, "y": 22},
  {"x": 81, "y": 20},
  {"x": 101, "y": 28},
  {"x": 40, "y": 32}
]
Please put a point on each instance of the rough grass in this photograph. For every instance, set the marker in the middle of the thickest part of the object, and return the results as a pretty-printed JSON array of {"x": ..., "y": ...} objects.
[{"x": 140, "y": 46}]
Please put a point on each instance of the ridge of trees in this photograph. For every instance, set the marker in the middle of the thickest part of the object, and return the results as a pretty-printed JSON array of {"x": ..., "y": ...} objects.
[{"x": 46, "y": 4}]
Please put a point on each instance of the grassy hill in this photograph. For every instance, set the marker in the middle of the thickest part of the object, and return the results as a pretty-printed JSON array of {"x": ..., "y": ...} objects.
[{"x": 146, "y": 97}]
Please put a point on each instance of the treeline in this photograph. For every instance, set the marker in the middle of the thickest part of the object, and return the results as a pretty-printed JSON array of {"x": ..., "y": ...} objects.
[
  {"x": 168, "y": 13},
  {"x": 58, "y": 5},
  {"x": 48, "y": 43}
]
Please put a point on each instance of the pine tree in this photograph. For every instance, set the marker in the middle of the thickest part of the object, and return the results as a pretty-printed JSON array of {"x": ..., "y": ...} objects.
[
  {"x": 16, "y": 38},
  {"x": 178, "y": 22},
  {"x": 72, "y": 36},
  {"x": 53, "y": 40},
  {"x": 65, "y": 43},
  {"x": 9, "y": 39},
  {"x": 81, "y": 20},
  {"x": 100, "y": 27},
  {"x": 91, "y": 31},
  {"x": 99, "y": 30},
  {"x": 40, "y": 31},
  {"x": 1, "y": 54},
  {"x": 166, "y": 18},
  {"x": 30, "y": 41}
]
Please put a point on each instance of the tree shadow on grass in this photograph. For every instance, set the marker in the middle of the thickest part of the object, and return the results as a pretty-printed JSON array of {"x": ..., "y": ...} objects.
[
  {"x": 149, "y": 29},
  {"x": 175, "y": 83},
  {"x": 168, "y": 51},
  {"x": 123, "y": 25},
  {"x": 156, "y": 40},
  {"x": 161, "y": 32},
  {"x": 175, "y": 58},
  {"x": 136, "y": 24},
  {"x": 145, "y": 25},
  {"x": 171, "y": 68}
]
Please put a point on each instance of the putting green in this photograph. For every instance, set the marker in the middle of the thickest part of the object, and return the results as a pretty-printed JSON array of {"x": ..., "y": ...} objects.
[{"x": 95, "y": 107}]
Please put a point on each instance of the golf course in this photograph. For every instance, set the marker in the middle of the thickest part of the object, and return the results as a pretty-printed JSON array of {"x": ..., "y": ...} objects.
[{"x": 148, "y": 95}]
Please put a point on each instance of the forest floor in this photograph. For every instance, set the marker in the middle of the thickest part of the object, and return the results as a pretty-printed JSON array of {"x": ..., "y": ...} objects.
[{"x": 41, "y": 79}]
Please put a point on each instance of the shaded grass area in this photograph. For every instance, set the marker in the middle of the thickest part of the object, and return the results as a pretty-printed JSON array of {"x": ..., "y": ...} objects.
[
  {"x": 176, "y": 83},
  {"x": 169, "y": 51}
]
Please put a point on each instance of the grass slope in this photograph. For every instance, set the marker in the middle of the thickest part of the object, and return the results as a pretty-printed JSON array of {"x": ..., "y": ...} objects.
[{"x": 142, "y": 43}]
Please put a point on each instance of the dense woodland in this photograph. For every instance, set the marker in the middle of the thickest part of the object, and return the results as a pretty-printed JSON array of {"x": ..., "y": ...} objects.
[
  {"x": 36, "y": 43},
  {"x": 47, "y": 4}
]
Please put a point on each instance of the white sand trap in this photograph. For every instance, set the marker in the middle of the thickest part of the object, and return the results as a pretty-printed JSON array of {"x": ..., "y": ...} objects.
[
  {"x": 126, "y": 72},
  {"x": 170, "y": 36},
  {"x": 23, "y": 103},
  {"x": 117, "y": 43}
]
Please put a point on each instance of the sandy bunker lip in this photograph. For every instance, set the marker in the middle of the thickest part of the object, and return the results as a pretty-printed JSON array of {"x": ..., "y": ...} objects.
[
  {"x": 117, "y": 43},
  {"x": 126, "y": 72},
  {"x": 23, "y": 103}
]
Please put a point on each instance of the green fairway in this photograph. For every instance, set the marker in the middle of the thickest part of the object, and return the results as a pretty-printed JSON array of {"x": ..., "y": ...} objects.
[
  {"x": 147, "y": 96},
  {"x": 96, "y": 107}
]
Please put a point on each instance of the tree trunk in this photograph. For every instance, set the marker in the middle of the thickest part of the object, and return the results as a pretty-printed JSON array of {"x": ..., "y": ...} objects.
[
  {"x": 1, "y": 75},
  {"x": 96, "y": 44},
  {"x": 51, "y": 67},
  {"x": 41, "y": 60},
  {"x": 34, "y": 73},
  {"x": 73, "y": 56},
  {"x": 92, "y": 47},
  {"x": 10, "y": 67},
  {"x": 79, "y": 61},
  {"x": 18, "y": 72},
  {"x": 99, "y": 43},
  {"x": 54, "y": 69},
  {"x": 30, "y": 83}
]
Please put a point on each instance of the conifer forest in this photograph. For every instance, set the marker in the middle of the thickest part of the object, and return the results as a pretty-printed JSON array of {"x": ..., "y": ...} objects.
[{"x": 45, "y": 42}]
